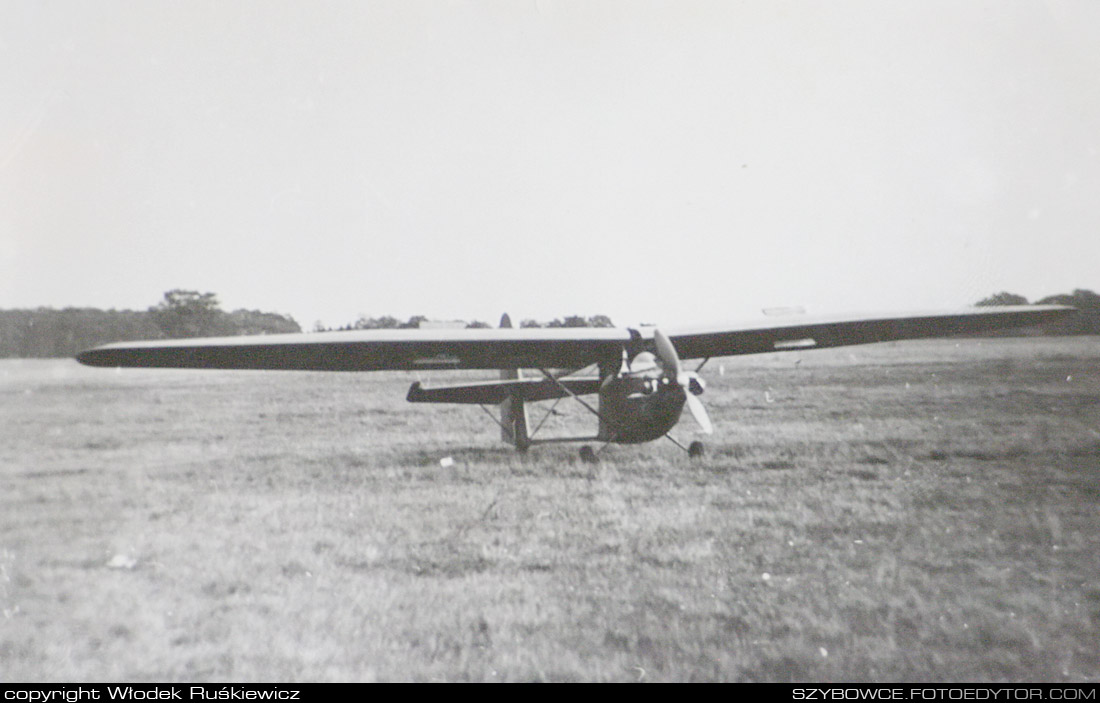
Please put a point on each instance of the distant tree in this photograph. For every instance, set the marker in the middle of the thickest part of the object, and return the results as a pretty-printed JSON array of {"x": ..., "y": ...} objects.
[
  {"x": 45, "y": 332},
  {"x": 1087, "y": 319},
  {"x": 581, "y": 321},
  {"x": 1080, "y": 298},
  {"x": 390, "y": 322},
  {"x": 569, "y": 321},
  {"x": 256, "y": 322},
  {"x": 188, "y": 313},
  {"x": 572, "y": 321},
  {"x": 1086, "y": 299},
  {"x": 386, "y": 322},
  {"x": 1002, "y": 298}
]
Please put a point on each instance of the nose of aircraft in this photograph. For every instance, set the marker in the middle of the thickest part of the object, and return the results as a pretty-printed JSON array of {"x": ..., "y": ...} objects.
[{"x": 688, "y": 380}]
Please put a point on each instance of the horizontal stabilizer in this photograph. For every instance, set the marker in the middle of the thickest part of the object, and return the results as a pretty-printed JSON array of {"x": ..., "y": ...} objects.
[{"x": 496, "y": 392}]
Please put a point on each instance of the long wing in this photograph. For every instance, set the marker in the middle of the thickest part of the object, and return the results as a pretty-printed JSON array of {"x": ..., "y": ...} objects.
[
  {"x": 800, "y": 333},
  {"x": 379, "y": 350},
  {"x": 375, "y": 350}
]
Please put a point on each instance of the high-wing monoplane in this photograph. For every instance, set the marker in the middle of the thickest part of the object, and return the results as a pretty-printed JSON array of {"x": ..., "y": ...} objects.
[{"x": 640, "y": 381}]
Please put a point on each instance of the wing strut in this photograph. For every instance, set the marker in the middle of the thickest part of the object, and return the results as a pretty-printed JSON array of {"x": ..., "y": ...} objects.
[
  {"x": 574, "y": 396},
  {"x": 545, "y": 417},
  {"x": 513, "y": 425},
  {"x": 602, "y": 418}
]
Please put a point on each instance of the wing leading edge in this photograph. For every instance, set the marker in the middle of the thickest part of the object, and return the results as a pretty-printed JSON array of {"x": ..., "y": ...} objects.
[
  {"x": 374, "y": 350},
  {"x": 574, "y": 348},
  {"x": 801, "y": 333}
]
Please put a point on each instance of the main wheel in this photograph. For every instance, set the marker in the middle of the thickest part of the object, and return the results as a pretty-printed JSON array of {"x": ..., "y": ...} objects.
[
  {"x": 696, "y": 449},
  {"x": 588, "y": 456}
]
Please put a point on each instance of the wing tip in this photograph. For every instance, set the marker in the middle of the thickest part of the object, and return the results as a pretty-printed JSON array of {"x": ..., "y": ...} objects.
[{"x": 91, "y": 357}]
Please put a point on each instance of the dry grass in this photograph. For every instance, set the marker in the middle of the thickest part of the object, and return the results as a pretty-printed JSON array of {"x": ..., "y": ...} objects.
[{"x": 925, "y": 512}]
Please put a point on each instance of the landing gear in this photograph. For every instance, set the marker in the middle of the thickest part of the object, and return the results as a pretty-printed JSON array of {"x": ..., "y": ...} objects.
[
  {"x": 696, "y": 449},
  {"x": 588, "y": 456}
]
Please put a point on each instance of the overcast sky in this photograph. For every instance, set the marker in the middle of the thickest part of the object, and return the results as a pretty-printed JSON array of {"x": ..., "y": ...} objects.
[{"x": 664, "y": 162}]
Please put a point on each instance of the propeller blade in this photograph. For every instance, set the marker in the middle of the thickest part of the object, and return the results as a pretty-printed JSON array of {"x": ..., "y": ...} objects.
[
  {"x": 670, "y": 360},
  {"x": 699, "y": 413}
]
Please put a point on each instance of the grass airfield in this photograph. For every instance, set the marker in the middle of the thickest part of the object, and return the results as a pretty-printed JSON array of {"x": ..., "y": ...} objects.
[{"x": 926, "y": 511}]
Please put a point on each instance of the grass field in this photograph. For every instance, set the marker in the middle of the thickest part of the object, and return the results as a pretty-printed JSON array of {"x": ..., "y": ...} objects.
[{"x": 927, "y": 511}]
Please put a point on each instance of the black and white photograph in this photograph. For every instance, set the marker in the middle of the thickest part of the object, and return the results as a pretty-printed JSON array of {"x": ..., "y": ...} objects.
[{"x": 570, "y": 341}]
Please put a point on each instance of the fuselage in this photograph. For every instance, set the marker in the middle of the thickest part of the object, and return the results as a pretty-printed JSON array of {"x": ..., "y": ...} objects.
[{"x": 639, "y": 408}]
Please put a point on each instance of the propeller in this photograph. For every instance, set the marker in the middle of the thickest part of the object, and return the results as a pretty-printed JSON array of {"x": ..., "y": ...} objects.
[{"x": 688, "y": 380}]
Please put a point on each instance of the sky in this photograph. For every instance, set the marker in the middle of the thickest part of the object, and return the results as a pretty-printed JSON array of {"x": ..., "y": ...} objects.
[{"x": 662, "y": 162}]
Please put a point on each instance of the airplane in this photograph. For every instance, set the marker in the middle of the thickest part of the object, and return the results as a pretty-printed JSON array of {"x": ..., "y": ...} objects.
[{"x": 641, "y": 384}]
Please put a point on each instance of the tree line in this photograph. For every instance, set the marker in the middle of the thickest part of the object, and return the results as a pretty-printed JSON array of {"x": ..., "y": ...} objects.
[
  {"x": 46, "y": 332},
  {"x": 387, "y": 322},
  {"x": 1086, "y": 321}
]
